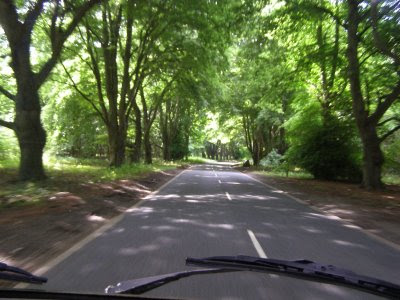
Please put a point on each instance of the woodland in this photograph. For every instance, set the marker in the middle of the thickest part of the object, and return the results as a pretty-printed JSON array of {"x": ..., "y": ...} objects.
[{"x": 309, "y": 85}]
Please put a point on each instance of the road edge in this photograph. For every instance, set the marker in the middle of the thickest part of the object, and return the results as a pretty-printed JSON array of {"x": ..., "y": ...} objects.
[
  {"x": 370, "y": 234},
  {"x": 55, "y": 261}
]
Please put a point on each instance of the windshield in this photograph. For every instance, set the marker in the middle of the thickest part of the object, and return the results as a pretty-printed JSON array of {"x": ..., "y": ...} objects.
[{"x": 136, "y": 134}]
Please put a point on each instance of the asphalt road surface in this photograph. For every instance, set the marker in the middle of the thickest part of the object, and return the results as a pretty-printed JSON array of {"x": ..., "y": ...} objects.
[{"x": 213, "y": 210}]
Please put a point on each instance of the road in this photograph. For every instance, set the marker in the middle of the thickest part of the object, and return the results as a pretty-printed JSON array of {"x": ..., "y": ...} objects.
[{"x": 213, "y": 210}]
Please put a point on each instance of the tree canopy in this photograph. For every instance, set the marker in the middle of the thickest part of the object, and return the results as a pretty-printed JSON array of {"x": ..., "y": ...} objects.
[{"x": 316, "y": 82}]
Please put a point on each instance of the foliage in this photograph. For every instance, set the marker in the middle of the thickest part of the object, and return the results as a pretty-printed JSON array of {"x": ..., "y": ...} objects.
[
  {"x": 327, "y": 151},
  {"x": 8, "y": 145},
  {"x": 391, "y": 149},
  {"x": 73, "y": 129},
  {"x": 195, "y": 160},
  {"x": 299, "y": 174},
  {"x": 179, "y": 149},
  {"x": 273, "y": 81},
  {"x": 273, "y": 160}
]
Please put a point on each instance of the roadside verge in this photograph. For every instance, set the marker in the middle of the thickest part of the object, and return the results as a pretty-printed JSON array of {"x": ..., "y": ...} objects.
[
  {"x": 375, "y": 213},
  {"x": 36, "y": 238}
]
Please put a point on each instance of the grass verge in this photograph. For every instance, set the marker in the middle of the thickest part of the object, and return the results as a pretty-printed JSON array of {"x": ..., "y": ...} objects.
[
  {"x": 291, "y": 174},
  {"x": 65, "y": 174},
  {"x": 388, "y": 178},
  {"x": 195, "y": 160},
  {"x": 391, "y": 179}
]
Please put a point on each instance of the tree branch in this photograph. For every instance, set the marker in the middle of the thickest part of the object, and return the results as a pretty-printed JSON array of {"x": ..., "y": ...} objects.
[
  {"x": 384, "y": 106},
  {"x": 54, "y": 17},
  {"x": 389, "y": 133},
  {"x": 388, "y": 120},
  {"x": 59, "y": 39},
  {"x": 84, "y": 96},
  {"x": 328, "y": 12},
  {"x": 96, "y": 72},
  {"x": 166, "y": 88},
  {"x": 9, "y": 21},
  {"x": 7, "y": 94},
  {"x": 126, "y": 56},
  {"x": 9, "y": 125},
  {"x": 335, "y": 56},
  {"x": 79, "y": 55},
  {"x": 379, "y": 43},
  {"x": 32, "y": 15}
]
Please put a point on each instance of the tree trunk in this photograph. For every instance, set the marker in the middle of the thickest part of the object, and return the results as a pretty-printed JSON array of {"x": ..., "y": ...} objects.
[
  {"x": 27, "y": 124},
  {"x": 256, "y": 153},
  {"x": 28, "y": 127},
  {"x": 116, "y": 143},
  {"x": 372, "y": 154},
  {"x": 187, "y": 146},
  {"x": 147, "y": 148},
  {"x": 256, "y": 159},
  {"x": 372, "y": 158},
  {"x": 166, "y": 148},
  {"x": 137, "y": 148},
  {"x": 32, "y": 139},
  {"x": 166, "y": 145}
]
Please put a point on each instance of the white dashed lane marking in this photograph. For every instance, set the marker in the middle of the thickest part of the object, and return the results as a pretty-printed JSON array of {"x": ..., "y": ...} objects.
[
  {"x": 256, "y": 244},
  {"x": 228, "y": 196}
]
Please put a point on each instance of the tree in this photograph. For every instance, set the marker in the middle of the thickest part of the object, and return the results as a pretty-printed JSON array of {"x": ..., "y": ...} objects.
[
  {"x": 367, "y": 59},
  {"x": 18, "y": 25},
  {"x": 150, "y": 109},
  {"x": 320, "y": 132},
  {"x": 373, "y": 28},
  {"x": 117, "y": 73},
  {"x": 194, "y": 59},
  {"x": 260, "y": 93}
]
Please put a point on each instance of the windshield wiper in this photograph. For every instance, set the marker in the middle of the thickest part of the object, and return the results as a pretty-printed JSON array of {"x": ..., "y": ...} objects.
[
  {"x": 16, "y": 274},
  {"x": 303, "y": 269},
  {"x": 142, "y": 285}
]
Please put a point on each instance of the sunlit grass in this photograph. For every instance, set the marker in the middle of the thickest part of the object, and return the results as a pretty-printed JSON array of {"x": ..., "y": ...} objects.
[
  {"x": 388, "y": 178},
  {"x": 201, "y": 160},
  {"x": 98, "y": 169},
  {"x": 391, "y": 179},
  {"x": 290, "y": 174},
  {"x": 9, "y": 163},
  {"x": 195, "y": 160},
  {"x": 64, "y": 172},
  {"x": 22, "y": 194}
]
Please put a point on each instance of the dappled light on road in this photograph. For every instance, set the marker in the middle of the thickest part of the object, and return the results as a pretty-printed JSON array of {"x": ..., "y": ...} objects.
[
  {"x": 212, "y": 218},
  {"x": 350, "y": 244},
  {"x": 6, "y": 260},
  {"x": 193, "y": 201},
  {"x": 352, "y": 226},
  {"x": 311, "y": 229},
  {"x": 137, "y": 250},
  {"x": 322, "y": 216}
]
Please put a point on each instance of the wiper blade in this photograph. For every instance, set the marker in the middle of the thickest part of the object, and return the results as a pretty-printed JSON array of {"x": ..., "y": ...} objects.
[
  {"x": 142, "y": 285},
  {"x": 16, "y": 274},
  {"x": 304, "y": 269}
]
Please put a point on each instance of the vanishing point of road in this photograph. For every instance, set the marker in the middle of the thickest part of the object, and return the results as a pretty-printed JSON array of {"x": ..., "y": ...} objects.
[{"x": 213, "y": 210}]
